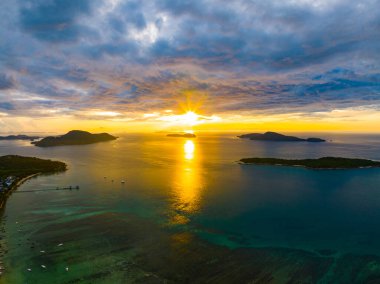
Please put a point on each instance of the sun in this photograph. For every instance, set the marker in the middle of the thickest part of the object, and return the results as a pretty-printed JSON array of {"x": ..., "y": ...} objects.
[
  {"x": 186, "y": 120},
  {"x": 190, "y": 118}
]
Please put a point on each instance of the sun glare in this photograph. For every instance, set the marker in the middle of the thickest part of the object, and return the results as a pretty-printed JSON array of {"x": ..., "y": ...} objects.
[{"x": 190, "y": 118}]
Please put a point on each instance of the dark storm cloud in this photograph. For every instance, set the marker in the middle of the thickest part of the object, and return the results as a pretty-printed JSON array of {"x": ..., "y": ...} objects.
[{"x": 135, "y": 55}]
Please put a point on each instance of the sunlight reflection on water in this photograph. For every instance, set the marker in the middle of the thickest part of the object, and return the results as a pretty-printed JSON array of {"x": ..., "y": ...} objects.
[
  {"x": 187, "y": 182},
  {"x": 189, "y": 148}
]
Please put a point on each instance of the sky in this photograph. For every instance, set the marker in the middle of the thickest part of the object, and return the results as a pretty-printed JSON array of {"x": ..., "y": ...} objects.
[{"x": 118, "y": 65}]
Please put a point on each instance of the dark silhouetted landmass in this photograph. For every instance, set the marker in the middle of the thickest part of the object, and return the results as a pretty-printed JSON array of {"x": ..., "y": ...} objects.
[
  {"x": 18, "y": 137},
  {"x": 15, "y": 169},
  {"x": 13, "y": 165},
  {"x": 273, "y": 136},
  {"x": 74, "y": 137},
  {"x": 186, "y": 135},
  {"x": 321, "y": 163},
  {"x": 313, "y": 139}
]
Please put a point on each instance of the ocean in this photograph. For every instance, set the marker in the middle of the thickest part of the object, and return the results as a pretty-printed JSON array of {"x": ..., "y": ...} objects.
[{"x": 189, "y": 212}]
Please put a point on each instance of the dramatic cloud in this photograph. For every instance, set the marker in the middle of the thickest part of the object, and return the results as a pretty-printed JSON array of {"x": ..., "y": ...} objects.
[
  {"x": 6, "y": 106},
  {"x": 120, "y": 59},
  {"x": 57, "y": 20},
  {"x": 5, "y": 82}
]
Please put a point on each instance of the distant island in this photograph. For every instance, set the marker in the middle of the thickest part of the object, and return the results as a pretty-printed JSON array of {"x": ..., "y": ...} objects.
[
  {"x": 74, "y": 137},
  {"x": 16, "y": 169},
  {"x": 273, "y": 136},
  {"x": 321, "y": 163},
  {"x": 19, "y": 137},
  {"x": 185, "y": 135}
]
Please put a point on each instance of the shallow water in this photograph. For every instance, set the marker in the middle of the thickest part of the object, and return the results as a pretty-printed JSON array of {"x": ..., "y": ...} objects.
[{"x": 189, "y": 213}]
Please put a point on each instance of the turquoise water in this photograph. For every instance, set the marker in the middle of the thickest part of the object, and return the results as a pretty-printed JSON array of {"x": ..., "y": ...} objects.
[{"x": 189, "y": 213}]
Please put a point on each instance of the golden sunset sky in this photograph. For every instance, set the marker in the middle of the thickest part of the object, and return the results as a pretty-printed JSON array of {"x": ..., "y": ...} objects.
[{"x": 143, "y": 66}]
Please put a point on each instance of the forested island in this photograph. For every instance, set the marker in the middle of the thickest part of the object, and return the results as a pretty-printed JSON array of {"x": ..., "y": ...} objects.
[
  {"x": 321, "y": 163},
  {"x": 74, "y": 137},
  {"x": 19, "y": 137},
  {"x": 15, "y": 169},
  {"x": 273, "y": 136},
  {"x": 185, "y": 135}
]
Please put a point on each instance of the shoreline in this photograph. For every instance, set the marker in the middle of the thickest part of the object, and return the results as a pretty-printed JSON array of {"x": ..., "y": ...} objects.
[
  {"x": 323, "y": 163},
  {"x": 14, "y": 187},
  {"x": 306, "y": 167}
]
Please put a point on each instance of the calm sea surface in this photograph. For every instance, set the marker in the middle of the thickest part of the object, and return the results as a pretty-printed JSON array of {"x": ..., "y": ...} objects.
[{"x": 189, "y": 213}]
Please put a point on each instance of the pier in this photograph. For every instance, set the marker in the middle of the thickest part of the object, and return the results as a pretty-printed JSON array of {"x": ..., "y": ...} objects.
[{"x": 49, "y": 189}]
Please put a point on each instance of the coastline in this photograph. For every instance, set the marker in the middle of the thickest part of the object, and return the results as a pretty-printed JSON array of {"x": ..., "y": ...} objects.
[
  {"x": 306, "y": 167},
  {"x": 14, "y": 187},
  {"x": 323, "y": 163}
]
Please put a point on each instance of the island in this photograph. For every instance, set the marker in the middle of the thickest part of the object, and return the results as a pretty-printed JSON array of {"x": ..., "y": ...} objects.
[
  {"x": 185, "y": 135},
  {"x": 321, "y": 163},
  {"x": 273, "y": 136},
  {"x": 74, "y": 137},
  {"x": 19, "y": 137},
  {"x": 16, "y": 169}
]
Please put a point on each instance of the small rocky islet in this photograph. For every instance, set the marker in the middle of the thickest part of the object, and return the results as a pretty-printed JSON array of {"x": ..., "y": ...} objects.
[{"x": 184, "y": 135}]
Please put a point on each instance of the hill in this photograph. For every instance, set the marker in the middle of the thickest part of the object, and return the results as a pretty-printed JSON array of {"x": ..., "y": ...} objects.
[
  {"x": 74, "y": 137},
  {"x": 273, "y": 136}
]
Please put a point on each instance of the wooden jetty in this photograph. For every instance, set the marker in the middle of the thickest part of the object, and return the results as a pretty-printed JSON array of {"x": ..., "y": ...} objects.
[{"x": 49, "y": 189}]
